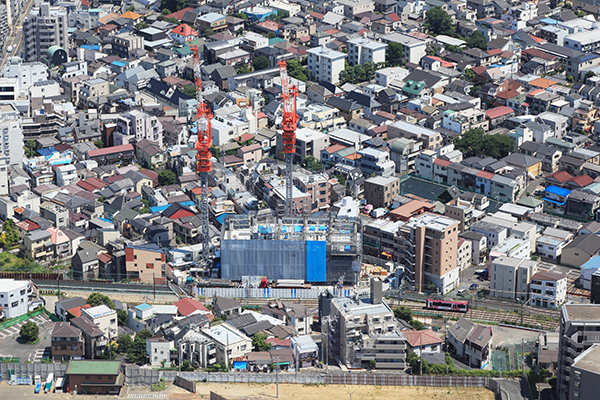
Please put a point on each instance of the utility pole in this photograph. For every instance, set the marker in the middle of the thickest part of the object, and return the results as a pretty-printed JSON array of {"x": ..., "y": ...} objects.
[
  {"x": 154, "y": 285},
  {"x": 277, "y": 374}
]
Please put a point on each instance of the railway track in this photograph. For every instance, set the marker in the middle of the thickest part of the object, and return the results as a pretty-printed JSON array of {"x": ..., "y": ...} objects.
[
  {"x": 488, "y": 316},
  {"x": 102, "y": 286}
]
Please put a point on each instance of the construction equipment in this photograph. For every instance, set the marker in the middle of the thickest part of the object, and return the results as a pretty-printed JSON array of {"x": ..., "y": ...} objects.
[
  {"x": 289, "y": 123},
  {"x": 203, "y": 156}
]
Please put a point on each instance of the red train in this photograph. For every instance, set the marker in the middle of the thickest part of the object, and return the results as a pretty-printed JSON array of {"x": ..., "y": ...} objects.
[{"x": 447, "y": 305}]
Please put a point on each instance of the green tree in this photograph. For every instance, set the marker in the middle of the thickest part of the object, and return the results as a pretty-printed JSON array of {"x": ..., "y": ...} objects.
[
  {"x": 131, "y": 8},
  {"x": 259, "y": 342},
  {"x": 570, "y": 78},
  {"x": 474, "y": 91},
  {"x": 239, "y": 32},
  {"x": 9, "y": 237},
  {"x": 189, "y": 90},
  {"x": 260, "y": 62},
  {"x": 395, "y": 52},
  {"x": 165, "y": 11},
  {"x": 476, "y": 40},
  {"x": 271, "y": 35},
  {"x": 242, "y": 16},
  {"x": 30, "y": 148},
  {"x": 122, "y": 317},
  {"x": 125, "y": 343},
  {"x": 589, "y": 74},
  {"x": 175, "y": 5},
  {"x": 454, "y": 49},
  {"x": 172, "y": 20},
  {"x": 312, "y": 164},
  {"x": 439, "y": 22},
  {"x": 469, "y": 74},
  {"x": 96, "y": 299},
  {"x": 141, "y": 25},
  {"x": 297, "y": 71},
  {"x": 341, "y": 179},
  {"x": 167, "y": 177},
  {"x": 137, "y": 351},
  {"x": 216, "y": 152},
  {"x": 99, "y": 143},
  {"x": 418, "y": 325},
  {"x": 404, "y": 313},
  {"x": 498, "y": 146},
  {"x": 244, "y": 69},
  {"x": 470, "y": 143},
  {"x": 29, "y": 332},
  {"x": 208, "y": 32}
]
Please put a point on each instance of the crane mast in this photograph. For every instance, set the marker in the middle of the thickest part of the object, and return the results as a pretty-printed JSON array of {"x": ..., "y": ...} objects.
[
  {"x": 203, "y": 155},
  {"x": 288, "y": 125}
]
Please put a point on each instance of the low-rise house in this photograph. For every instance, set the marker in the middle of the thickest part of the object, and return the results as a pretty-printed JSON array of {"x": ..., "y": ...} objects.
[
  {"x": 227, "y": 307},
  {"x": 104, "y": 318},
  {"x": 61, "y": 307},
  {"x": 471, "y": 341},
  {"x": 158, "y": 350},
  {"x": 296, "y": 315},
  {"x": 580, "y": 250},
  {"x": 95, "y": 377},
  {"x": 305, "y": 351},
  {"x": 231, "y": 343},
  {"x": 67, "y": 342},
  {"x": 423, "y": 342}
]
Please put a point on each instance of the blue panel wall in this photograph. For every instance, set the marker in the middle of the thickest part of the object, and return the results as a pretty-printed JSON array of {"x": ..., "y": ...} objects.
[{"x": 315, "y": 261}]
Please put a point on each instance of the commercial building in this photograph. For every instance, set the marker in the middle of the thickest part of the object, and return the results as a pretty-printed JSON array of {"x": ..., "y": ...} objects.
[
  {"x": 362, "y": 51},
  {"x": 314, "y": 249},
  {"x": 510, "y": 277},
  {"x": 579, "y": 325},
  {"x": 44, "y": 28},
  {"x": 325, "y": 64},
  {"x": 430, "y": 243},
  {"x": 380, "y": 191}
]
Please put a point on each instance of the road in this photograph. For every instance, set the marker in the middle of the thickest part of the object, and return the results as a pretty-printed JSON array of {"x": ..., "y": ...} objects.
[
  {"x": 16, "y": 36},
  {"x": 516, "y": 388}
]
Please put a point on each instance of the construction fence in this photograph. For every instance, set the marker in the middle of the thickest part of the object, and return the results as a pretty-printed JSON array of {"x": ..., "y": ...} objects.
[
  {"x": 264, "y": 293},
  {"x": 31, "y": 370}
]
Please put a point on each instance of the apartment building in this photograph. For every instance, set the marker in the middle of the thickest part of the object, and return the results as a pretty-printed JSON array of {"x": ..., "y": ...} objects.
[
  {"x": 585, "y": 41},
  {"x": 44, "y": 28},
  {"x": 231, "y": 343},
  {"x": 579, "y": 325},
  {"x": 413, "y": 49},
  {"x": 145, "y": 263},
  {"x": 104, "y": 318},
  {"x": 377, "y": 162},
  {"x": 309, "y": 142},
  {"x": 432, "y": 140},
  {"x": 11, "y": 136},
  {"x": 136, "y": 125},
  {"x": 124, "y": 44},
  {"x": 66, "y": 175},
  {"x": 362, "y": 51},
  {"x": 585, "y": 374},
  {"x": 462, "y": 121},
  {"x": 14, "y": 297},
  {"x": 484, "y": 8},
  {"x": 325, "y": 64},
  {"x": 548, "y": 289},
  {"x": 360, "y": 332},
  {"x": 431, "y": 244},
  {"x": 380, "y": 191},
  {"x": 26, "y": 73},
  {"x": 353, "y": 7},
  {"x": 91, "y": 89},
  {"x": 318, "y": 187},
  {"x": 158, "y": 349},
  {"x": 67, "y": 342},
  {"x": 38, "y": 245},
  {"x": 510, "y": 277}
]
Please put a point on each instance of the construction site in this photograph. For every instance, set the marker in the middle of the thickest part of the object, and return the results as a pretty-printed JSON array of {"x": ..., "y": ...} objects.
[{"x": 314, "y": 249}]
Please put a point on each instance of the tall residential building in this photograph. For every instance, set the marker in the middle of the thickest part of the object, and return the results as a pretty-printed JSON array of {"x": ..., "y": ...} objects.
[
  {"x": 361, "y": 51},
  {"x": 579, "y": 325},
  {"x": 27, "y": 74},
  {"x": 45, "y": 27},
  {"x": 4, "y": 23},
  {"x": 431, "y": 244},
  {"x": 325, "y": 64},
  {"x": 11, "y": 135},
  {"x": 510, "y": 277},
  {"x": 585, "y": 374}
]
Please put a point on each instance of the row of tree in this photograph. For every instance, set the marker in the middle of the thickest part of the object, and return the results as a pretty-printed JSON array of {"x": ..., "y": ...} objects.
[{"x": 475, "y": 143}]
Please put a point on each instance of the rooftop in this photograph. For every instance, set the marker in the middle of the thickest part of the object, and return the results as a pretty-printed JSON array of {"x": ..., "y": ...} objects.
[{"x": 93, "y": 367}]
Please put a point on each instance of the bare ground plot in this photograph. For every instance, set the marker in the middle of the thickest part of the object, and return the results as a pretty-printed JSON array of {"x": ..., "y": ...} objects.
[{"x": 333, "y": 392}]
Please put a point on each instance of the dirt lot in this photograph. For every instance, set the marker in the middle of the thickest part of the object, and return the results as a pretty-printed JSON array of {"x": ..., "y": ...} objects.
[{"x": 330, "y": 392}]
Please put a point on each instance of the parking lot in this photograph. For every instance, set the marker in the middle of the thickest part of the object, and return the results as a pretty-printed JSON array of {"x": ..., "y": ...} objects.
[{"x": 10, "y": 347}]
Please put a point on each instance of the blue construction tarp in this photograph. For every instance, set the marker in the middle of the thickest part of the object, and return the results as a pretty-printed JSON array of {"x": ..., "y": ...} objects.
[
  {"x": 316, "y": 256},
  {"x": 558, "y": 191},
  {"x": 239, "y": 364}
]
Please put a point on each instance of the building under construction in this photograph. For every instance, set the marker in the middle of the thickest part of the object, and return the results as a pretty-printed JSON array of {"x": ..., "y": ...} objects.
[{"x": 315, "y": 249}]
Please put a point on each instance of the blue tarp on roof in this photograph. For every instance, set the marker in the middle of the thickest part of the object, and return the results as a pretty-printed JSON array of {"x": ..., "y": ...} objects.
[
  {"x": 91, "y": 46},
  {"x": 558, "y": 191},
  {"x": 560, "y": 203},
  {"x": 120, "y": 63},
  {"x": 48, "y": 151},
  {"x": 549, "y": 21},
  {"x": 593, "y": 263},
  {"x": 157, "y": 209}
]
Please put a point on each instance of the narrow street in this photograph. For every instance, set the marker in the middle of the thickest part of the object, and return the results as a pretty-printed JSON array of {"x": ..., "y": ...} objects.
[{"x": 16, "y": 36}]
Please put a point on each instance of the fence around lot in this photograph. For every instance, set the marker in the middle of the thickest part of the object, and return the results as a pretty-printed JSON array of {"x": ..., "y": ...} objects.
[{"x": 265, "y": 293}]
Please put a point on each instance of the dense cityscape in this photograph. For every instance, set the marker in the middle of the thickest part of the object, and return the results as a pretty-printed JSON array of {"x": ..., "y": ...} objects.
[{"x": 378, "y": 198}]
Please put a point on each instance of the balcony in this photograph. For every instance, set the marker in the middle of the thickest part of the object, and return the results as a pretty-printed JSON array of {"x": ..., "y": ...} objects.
[{"x": 385, "y": 346}]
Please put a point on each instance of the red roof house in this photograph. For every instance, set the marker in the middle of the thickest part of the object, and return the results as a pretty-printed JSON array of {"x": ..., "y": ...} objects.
[{"x": 187, "y": 307}]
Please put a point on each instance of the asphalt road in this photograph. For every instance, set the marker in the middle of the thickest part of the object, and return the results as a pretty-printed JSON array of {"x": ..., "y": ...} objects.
[
  {"x": 16, "y": 36},
  {"x": 516, "y": 389}
]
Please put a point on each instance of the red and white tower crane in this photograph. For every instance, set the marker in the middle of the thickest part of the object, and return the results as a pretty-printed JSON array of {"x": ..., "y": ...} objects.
[
  {"x": 203, "y": 155},
  {"x": 289, "y": 123}
]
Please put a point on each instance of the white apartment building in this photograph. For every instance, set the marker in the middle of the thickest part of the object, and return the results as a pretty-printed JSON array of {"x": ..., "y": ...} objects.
[
  {"x": 11, "y": 136},
  {"x": 548, "y": 289},
  {"x": 137, "y": 125},
  {"x": 376, "y": 161},
  {"x": 424, "y": 164},
  {"x": 362, "y": 51},
  {"x": 325, "y": 64},
  {"x": 586, "y": 41},
  {"x": 66, "y": 175},
  {"x": 510, "y": 277},
  {"x": 384, "y": 77},
  {"x": 26, "y": 73},
  {"x": 158, "y": 350},
  {"x": 43, "y": 28},
  {"x": 105, "y": 318},
  {"x": 14, "y": 297},
  {"x": 231, "y": 343},
  {"x": 252, "y": 41},
  {"x": 414, "y": 49}
]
